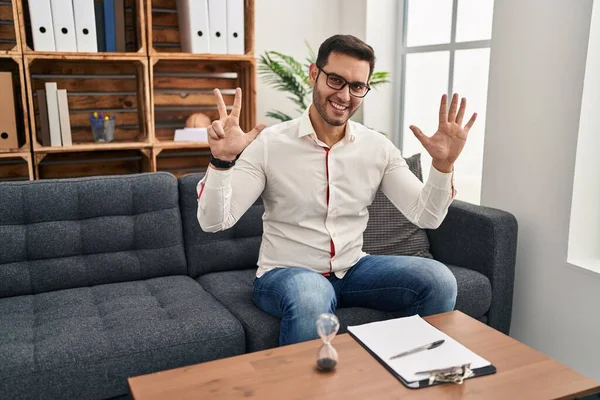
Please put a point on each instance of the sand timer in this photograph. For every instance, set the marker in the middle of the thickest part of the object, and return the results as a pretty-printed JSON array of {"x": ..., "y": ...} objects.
[{"x": 327, "y": 328}]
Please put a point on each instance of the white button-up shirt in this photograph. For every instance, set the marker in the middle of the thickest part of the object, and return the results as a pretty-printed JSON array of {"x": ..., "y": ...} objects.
[{"x": 316, "y": 197}]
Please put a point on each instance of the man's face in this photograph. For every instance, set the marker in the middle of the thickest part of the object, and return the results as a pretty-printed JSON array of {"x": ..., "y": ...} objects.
[{"x": 337, "y": 106}]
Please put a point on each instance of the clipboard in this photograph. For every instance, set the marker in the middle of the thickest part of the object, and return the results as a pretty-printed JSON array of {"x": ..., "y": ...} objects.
[
  {"x": 451, "y": 362},
  {"x": 488, "y": 370}
]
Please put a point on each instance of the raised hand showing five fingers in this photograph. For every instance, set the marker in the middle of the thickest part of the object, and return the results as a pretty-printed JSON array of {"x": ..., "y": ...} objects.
[
  {"x": 225, "y": 137},
  {"x": 447, "y": 143}
]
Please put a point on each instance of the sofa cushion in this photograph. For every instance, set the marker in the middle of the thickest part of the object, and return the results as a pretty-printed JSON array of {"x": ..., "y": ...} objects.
[
  {"x": 389, "y": 232},
  {"x": 232, "y": 249},
  {"x": 60, "y": 234},
  {"x": 85, "y": 342},
  {"x": 235, "y": 288}
]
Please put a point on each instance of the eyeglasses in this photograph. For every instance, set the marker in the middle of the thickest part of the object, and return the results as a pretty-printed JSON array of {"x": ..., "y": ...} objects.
[{"x": 334, "y": 81}]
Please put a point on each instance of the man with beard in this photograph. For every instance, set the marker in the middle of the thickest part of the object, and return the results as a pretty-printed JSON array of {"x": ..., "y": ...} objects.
[{"x": 317, "y": 174}]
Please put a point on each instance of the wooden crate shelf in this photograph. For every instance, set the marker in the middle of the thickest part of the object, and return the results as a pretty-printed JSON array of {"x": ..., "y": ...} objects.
[
  {"x": 117, "y": 86},
  {"x": 93, "y": 163},
  {"x": 10, "y": 36},
  {"x": 14, "y": 64},
  {"x": 16, "y": 167},
  {"x": 163, "y": 28},
  {"x": 183, "y": 86},
  {"x": 180, "y": 162},
  {"x": 135, "y": 31}
]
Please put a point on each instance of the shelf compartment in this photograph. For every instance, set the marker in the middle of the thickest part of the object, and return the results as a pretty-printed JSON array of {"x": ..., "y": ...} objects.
[
  {"x": 163, "y": 29},
  {"x": 180, "y": 162},
  {"x": 14, "y": 65},
  {"x": 135, "y": 31},
  {"x": 93, "y": 163},
  {"x": 116, "y": 86},
  {"x": 182, "y": 86},
  {"x": 16, "y": 167},
  {"x": 10, "y": 38}
]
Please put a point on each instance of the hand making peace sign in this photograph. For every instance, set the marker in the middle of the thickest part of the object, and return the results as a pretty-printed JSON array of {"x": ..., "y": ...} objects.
[
  {"x": 225, "y": 137},
  {"x": 447, "y": 143}
]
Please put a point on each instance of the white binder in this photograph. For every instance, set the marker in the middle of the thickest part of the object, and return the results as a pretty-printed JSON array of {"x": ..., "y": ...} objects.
[
  {"x": 63, "y": 116},
  {"x": 217, "y": 17},
  {"x": 193, "y": 26},
  {"x": 64, "y": 25},
  {"x": 235, "y": 27},
  {"x": 85, "y": 25},
  {"x": 40, "y": 15},
  {"x": 53, "y": 115}
]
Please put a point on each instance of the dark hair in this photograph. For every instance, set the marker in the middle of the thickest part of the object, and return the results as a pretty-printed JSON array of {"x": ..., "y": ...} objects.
[{"x": 348, "y": 45}]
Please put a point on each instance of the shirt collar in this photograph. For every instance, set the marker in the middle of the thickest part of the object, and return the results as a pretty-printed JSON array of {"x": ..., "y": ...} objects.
[{"x": 306, "y": 128}]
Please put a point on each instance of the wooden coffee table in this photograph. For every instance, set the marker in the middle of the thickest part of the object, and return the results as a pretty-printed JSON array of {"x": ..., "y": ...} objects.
[{"x": 289, "y": 372}]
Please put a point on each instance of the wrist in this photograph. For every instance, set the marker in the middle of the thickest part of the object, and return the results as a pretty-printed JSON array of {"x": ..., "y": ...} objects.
[
  {"x": 443, "y": 166},
  {"x": 222, "y": 164}
]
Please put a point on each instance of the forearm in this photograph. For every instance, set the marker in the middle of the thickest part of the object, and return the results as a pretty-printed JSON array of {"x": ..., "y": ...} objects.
[{"x": 214, "y": 201}]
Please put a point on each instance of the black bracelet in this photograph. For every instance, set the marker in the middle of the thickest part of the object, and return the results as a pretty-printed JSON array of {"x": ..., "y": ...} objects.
[{"x": 221, "y": 163}]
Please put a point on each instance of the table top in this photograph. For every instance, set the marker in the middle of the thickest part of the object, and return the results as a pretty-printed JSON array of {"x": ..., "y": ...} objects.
[{"x": 290, "y": 372}]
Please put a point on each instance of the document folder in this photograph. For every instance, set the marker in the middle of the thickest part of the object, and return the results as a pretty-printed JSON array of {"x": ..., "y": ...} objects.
[{"x": 450, "y": 362}]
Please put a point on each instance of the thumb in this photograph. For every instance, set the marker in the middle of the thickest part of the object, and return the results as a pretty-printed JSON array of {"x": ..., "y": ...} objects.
[
  {"x": 419, "y": 135},
  {"x": 255, "y": 132}
]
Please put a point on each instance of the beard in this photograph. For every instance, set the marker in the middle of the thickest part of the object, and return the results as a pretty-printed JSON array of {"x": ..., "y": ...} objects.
[{"x": 321, "y": 104}]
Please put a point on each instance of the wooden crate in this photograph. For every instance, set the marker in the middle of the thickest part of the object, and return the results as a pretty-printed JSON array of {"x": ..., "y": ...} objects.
[
  {"x": 135, "y": 29},
  {"x": 163, "y": 28},
  {"x": 182, "y": 86},
  {"x": 14, "y": 64},
  {"x": 10, "y": 37},
  {"x": 93, "y": 163},
  {"x": 114, "y": 85},
  {"x": 16, "y": 166},
  {"x": 181, "y": 161}
]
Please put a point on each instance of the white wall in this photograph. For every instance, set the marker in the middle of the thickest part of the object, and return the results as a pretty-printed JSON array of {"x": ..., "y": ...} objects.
[
  {"x": 285, "y": 25},
  {"x": 537, "y": 70}
]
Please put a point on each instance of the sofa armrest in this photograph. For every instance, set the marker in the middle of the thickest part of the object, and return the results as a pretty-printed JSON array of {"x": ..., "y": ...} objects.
[{"x": 482, "y": 239}]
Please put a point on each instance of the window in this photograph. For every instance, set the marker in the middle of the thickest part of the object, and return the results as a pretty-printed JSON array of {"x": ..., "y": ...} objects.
[{"x": 445, "y": 48}]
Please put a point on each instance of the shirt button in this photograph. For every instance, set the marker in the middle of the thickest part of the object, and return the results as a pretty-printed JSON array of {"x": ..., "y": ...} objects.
[{"x": 333, "y": 234}]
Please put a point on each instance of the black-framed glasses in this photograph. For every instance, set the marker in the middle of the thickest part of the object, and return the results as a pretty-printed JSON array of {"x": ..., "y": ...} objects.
[{"x": 336, "y": 82}]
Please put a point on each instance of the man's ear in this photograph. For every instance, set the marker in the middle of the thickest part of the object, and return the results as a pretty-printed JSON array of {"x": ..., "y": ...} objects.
[{"x": 313, "y": 71}]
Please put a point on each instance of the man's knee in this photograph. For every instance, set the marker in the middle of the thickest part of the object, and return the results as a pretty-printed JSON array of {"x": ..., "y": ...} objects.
[
  {"x": 309, "y": 294},
  {"x": 440, "y": 284}
]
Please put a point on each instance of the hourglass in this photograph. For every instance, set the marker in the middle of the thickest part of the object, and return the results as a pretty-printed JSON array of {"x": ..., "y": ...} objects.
[{"x": 327, "y": 328}]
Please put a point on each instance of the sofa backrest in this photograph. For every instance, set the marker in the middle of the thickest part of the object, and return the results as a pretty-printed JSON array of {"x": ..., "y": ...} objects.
[
  {"x": 235, "y": 248},
  {"x": 59, "y": 234}
]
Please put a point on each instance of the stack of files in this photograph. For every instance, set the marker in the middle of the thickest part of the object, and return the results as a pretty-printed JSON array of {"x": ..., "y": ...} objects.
[
  {"x": 211, "y": 26},
  {"x": 55, "y": 124},
  {"x": 78, "y": 25},
  {"x": 385, "y": 339},
  {"x": 8, "y": 118}
]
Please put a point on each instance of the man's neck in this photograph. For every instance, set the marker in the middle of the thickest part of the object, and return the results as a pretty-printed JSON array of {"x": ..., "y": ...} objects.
[{"x": 326, "y": 133}]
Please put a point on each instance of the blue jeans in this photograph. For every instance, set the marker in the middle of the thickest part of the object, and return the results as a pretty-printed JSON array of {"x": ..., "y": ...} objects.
[{"x": 413, "y": 285}]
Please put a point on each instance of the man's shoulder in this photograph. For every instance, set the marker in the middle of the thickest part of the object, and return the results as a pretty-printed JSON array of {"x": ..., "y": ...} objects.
[{"x": 364, "y": 132}]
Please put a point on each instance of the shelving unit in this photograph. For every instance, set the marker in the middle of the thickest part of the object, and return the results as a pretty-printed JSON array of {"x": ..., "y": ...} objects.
[{"x": 152, "y": 89}]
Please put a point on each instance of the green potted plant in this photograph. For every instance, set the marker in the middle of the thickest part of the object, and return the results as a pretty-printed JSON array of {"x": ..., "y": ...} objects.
[{"x": 286, "y": 74}]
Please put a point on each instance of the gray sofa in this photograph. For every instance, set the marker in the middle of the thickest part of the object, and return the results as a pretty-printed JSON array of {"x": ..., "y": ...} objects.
[{"x": 110, "y": 277}]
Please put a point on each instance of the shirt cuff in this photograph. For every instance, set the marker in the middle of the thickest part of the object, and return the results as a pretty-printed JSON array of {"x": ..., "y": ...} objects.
[
  {"x": 217, "y": 178},
  {"x": 441, "y": 180}
]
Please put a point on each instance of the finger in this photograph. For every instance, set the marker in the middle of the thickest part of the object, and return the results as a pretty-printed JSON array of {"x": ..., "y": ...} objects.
[
  {"x": 453, "y": 107},
  {"x": 420, "y": 135},
  {"x": 461, "y": 111},
  {"x": 256, "y": 131},
  {"x": 237, "y": 104},
  {"x": 218, "y": 128},
  {"x": 471, "y": 122},
  {"x": 211, "y": 133},
  {"x": 220, "y": 104},
  {"x": 444, "y": 109}
]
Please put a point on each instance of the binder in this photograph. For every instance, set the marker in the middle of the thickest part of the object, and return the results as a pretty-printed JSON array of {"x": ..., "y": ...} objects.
[
  {"x": 40, "y": 15},
  {"x": 235, "y": 27},
  {"x": 85, "y": 25},
  {"x": 53, "y": 115},
  {"x": 217, "y": 19},
  {"x": 64, "y": 25},
  {"x": 100, "y": 36},
  {"x": 43, "y": 109},
  {"x": 63, "y": 113},
  {"x": 384, "y": 339},
  {"x": 109, "y": 26},
  {"x": 8, "y": 120},
  {"x": 194, "y": 30},
  {"x": 120, "y": 25}
]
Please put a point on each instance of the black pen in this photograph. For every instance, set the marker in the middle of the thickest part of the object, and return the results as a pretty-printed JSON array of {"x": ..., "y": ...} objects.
[{"x": 420, "y": 348}]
